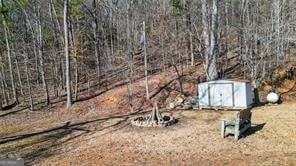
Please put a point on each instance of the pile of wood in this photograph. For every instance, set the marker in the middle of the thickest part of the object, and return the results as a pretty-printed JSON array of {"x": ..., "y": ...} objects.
[
  {"x": 181, "y": 102},
  {"x": 282, "y": 81}
]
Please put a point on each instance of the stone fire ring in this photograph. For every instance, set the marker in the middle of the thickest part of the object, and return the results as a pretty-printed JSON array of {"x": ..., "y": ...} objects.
[{"x": 147, "y": 121}]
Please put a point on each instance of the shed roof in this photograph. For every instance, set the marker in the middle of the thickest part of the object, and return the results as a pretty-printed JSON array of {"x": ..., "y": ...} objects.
[{"x": 226, "y": 81}]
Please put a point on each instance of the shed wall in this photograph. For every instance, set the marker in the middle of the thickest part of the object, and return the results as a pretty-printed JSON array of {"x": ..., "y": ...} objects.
[
  {"x": 224, "y": 93},
  {"x": 239, "y": 94},
  {"x": 249, "y": 94},
  {"x": 203, "y": 95}
]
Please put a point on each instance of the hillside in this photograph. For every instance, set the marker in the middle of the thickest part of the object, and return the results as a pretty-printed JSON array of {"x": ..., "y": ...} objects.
[
  {"x": 131, "y": 82},
  {"x": 98, "y": 131}
]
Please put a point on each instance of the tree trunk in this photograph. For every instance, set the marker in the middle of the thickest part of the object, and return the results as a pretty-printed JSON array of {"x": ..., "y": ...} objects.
[
  {"x": 205, "y": 34},
  {"x": 96, "y": 38},
  {"x": 41, "y": 61},
  {"x": 129, "y": 53},
  {"x": 55, "y": 80},
  {"x": 145, "y": 60},
  {"x": 61, "y": 76},
  {"x": 213, "y": 74},
  {"x": 66, "y": 51},
  {"x": 189, "y": 26},
  {"x": 19, "y": 74},
  {"x": 211, "y": 50},
  {"x": 3, "y": 86},
  {"x": 75, "y": 58},
  {"x": 6, "y": 35},
  {"x": 32, "y": 31},
  {"x": 1, "y": 98},
  {"x": 277, "y": 5},
  {"x": 28, "y": 73},
  {"x": 241, "y": 34},
  {"x": 55, "y": 72}
]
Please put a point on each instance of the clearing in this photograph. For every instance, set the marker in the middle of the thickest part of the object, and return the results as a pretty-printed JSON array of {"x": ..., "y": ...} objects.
[{"x": 98, "y": 132}]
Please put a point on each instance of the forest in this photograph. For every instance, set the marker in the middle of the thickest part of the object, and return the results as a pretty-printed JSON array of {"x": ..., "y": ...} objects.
[{"x": 64, "y": 56}]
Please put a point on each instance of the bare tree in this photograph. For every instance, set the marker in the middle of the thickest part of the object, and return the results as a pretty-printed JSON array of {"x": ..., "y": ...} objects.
[
  {"x": 40, "y": 56},
  {"x": 145, "y": 59},
  {"x": 66, "y": 51},
  {"x": 129, "y": 51},
  {"x": 28, "y": 73},
  {"x": 277, "y": 6},
  {"x": 8, "y": 48},
  {"x": 96, "y": 37},
  {"x": 210, "y": 37},
  {"x": 212, "y": 70},
  {"x": 254, "y": 36}
]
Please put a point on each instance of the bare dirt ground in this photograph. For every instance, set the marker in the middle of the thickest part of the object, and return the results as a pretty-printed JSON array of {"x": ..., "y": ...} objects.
[
  {"x": 98, "y": 132},
  {"x": 195, "y": 139}
]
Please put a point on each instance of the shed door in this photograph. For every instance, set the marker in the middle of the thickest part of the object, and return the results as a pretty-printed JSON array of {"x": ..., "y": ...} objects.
[{"x": 221, "y": 95}]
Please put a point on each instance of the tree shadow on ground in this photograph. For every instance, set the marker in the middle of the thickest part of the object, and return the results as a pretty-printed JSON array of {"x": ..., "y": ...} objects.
[
  {"x": 38, "y": 146},
  {"x": 98, "y": 93},
  {"x": 51, "y": 145},
  {"x": 10, "y": 106},
  {"x": 85, "y": 98},
  {"x": 106, "y": 83},
  {"x": 42, "y": 104},
  {"x": 64, "y": 127},
  {"x": 45, "y": 143},
  {"x": 11, "y": 112},
  {"x": 162, "y": 88}
]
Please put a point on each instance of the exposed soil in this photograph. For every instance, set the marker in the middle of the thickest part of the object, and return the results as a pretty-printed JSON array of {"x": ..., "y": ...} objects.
[
  {"x": 98, "y": 132},
  {"x": 195, "y": 139}
]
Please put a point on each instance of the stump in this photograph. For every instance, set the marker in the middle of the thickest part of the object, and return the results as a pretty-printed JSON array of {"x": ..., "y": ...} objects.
[{"x": 155, "y": 119}]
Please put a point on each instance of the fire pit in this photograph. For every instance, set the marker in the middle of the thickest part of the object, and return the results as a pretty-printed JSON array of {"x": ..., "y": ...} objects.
[{"x": 155, "y": 119}]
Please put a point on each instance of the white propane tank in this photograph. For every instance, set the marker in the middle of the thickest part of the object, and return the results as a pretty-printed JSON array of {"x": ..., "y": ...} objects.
[{"x": 272, "y": 97}]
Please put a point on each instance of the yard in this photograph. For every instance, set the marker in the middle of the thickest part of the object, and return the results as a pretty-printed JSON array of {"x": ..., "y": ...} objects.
[
  {"x": 97, "y": 131},
  {"x": 194, "y": 139},
  {"x": 75, "y": 76}
]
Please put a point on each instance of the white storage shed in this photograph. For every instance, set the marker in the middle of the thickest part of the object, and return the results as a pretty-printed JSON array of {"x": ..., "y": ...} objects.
[{"x": 232, "y": 94}]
